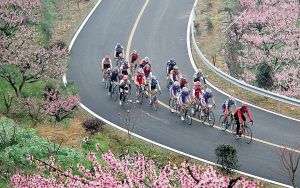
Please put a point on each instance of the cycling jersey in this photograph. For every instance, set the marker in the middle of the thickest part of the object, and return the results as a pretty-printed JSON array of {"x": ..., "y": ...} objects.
[
  {"x": 197, "y": 91},
  {"x": 124, "y": 69},
  {"x": 174, "y": 75},
  {"x": 139, "y": 78},
  {"x": 184, "y": 96},
  {"x": 143, "y": 63},
  {"x": 106, "y": 64},
  {"x": 147, "y": 72},
  {"x": 228, "y": 103},
  {"x": 174, "y": 91},
  {"x": 114, "y": 76},
  {"x": 154, "y": 84},
  {"x": 182, "y": 82},
  {"x": 134, "y": 57},
  {"x": 240, "y": 112},
  {"x": 206, "y": 97},
  {"x": 170, "y": 66}
]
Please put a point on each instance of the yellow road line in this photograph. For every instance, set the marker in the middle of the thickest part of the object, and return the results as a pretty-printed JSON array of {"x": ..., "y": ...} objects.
[
  {"x": 134, "y": 28},
  {"x": 167, "y": 106}
]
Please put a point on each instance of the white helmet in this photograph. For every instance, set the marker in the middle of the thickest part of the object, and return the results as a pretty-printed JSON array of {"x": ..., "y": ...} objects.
[
  {"x": 176, "y": 84},
  {"x": 208, "y": 90},
  {"x": 185, "y": 90}
]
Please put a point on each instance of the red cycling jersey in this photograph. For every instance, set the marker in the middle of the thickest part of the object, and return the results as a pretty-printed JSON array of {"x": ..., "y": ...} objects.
[
  {"x": 139, "y": 78},
  {"x": 182, "y": 82},
  {"x": 146, "y": 72},
  {"x": 134, "y": 57},
  {"x": 240, "y": 112},
  {"x": 197, "y": 91}
]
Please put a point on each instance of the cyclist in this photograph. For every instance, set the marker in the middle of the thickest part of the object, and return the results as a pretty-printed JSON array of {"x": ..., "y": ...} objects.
[
  {"x": 205, "y": 101},
  {"x": 226, "y": 107},
  {"x": 144, "y": 62},
  {"x": 175, "y": 74},
  {"x": 139, "y": 80},
  {"x": 134, "y": 58},
  {"x": 105, "y": 65},
  {"x": 113, "y": 78},
  {"x": 183, "y": 82},
  {"x": 124, "y": 68},
  {"x": 197, "y": 94},
  {"x": 240, "y": 118},
  {"x": 174, "y": 92},
  {"x": 170, "y": 65},
  {"x": 184, "y": 101},
  {"x": 147, "y": 71},
  {"x": 124, "y": 85},
  {"x": 154, "y": 87},
  {"x": 119, "y": 51},
  {"x": 198, "y": 76}
]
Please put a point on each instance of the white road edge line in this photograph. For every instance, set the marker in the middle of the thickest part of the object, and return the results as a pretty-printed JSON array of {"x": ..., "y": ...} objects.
[
  {"x": 219, "y": 90},
  {"x": 148, "y": 140}
]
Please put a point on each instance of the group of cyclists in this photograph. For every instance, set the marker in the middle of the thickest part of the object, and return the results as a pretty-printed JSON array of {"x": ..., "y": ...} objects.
[{"x": 140, "y": 71}]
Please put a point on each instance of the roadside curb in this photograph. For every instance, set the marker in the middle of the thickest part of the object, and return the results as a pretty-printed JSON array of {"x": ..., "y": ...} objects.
[{"x": 64, "y": 79}]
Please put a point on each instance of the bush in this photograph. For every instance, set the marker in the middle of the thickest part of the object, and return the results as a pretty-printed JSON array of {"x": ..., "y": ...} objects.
[
  {"x": 93, "y": 125},
  {"x": 209, "y": 24},
  {"x": 264, "y": 77},
  {"x": 227, "y": 157}
]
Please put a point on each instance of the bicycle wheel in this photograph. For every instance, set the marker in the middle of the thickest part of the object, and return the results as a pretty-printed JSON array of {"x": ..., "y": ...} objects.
[
  {"x": 141, "y": 97},
  {"x": 233, "y": 128},
  {"x": 247, "y": 134},
  {"x": 222, "y": 122},
  {"x": 172, "y": 106},
  {"x": 211, "y": 118},
  {"x": 114, "y": 94},
  {"x": 188, "y": 116},
  {"x": 155, "y": 103}
]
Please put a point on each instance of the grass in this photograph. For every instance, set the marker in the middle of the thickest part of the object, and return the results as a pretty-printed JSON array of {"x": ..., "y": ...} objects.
[{"x": 211, "y": 43}]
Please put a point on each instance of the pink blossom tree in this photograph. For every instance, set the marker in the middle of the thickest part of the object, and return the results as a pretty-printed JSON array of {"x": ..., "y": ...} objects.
[
  {"x": 268, "y": 32},
  {"x": 132, "y": 170},
  {"x": 23, "y": 59},
  {"x": 59, "y": 106}
]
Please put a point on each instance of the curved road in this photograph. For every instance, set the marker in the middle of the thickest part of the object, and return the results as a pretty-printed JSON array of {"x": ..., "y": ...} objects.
[{"x": 161, "y": 34}]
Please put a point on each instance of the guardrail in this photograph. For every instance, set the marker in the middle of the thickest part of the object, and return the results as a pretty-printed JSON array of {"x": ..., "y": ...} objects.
[{"x": 233, "y": 80}]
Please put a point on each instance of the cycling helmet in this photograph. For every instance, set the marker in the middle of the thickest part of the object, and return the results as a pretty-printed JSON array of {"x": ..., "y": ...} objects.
[
  {"x": 208, "y": 90},
  {"x": 146, "y": 59},
  {"x": 147, "y": 66},
  {"x": 185, "y": 90},
  {"x": 107, "y": 58},
  {"x": 175, "y": 68},
  {"x": 141, "y": 71},
  {"x": 125, "y": 62},
  {"x": 153, "y": 78},
  {"x": 134, "y": 52},
  {"x": 176, "y": 84},
  {"x": 172, "y": 60},
  {"x": 125, "y": 77},
  {"x": 231, "y": 98},
  {"x": 119, "y": 45},
  {"x": 198, "y": 83},
  {"x": 183, "y": 77},
  {"x": 244, "y": 106},
  {"x": 116, "y": 69}
]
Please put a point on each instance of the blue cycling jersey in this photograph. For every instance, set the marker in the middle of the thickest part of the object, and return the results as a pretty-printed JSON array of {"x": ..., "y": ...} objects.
[
  {"x": 207, "y": 96},
  {"x": 184, "y": 96}
]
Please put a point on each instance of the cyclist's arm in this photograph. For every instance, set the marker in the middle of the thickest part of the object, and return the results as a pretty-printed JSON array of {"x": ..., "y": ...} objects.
[
  {"x": 102, "y": 65},
  {"x": 249, "y": 115},
  {"x": 213, "y": 100},
  {"x": 158, "y": 86},
  {"x": 110, "y": 63}
]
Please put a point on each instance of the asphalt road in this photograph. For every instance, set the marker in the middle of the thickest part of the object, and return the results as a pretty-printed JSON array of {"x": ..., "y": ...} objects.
[{"x": 161, "y": 34}]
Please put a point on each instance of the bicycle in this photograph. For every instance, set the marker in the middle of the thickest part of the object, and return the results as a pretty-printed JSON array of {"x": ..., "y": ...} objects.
[
  {"x": 195, "y": 107},
  {"x": 208, "y": 114},
  {"x": 114, "y": 91},
  {"x": 245, "y": 130},
  {"x": 140, "y": 93},
  {"x": 106, "y": 78},
  {"x": 118, "y": 61},
  {"x": 187, "y": 114},
  {"x": 226, "y": 124},
  {"x": 125, "y": 95},
  {"x": 173, "y": 105},
  {"x": 154, "y": 99}
]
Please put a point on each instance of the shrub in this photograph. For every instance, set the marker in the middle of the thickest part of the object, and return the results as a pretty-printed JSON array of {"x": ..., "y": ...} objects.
[
  {"x": 209, "y": 24},
  {"x": 264, "y": 77},
  {"x": 93, "y": 125},
  {"x": 227, "y": 157},
  {"x": 8, "y": 133}
]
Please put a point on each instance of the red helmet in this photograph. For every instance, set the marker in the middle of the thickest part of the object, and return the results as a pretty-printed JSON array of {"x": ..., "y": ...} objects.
[
  {"x": 107, "y": 58},
  {"x": 244, "y": 107}
]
